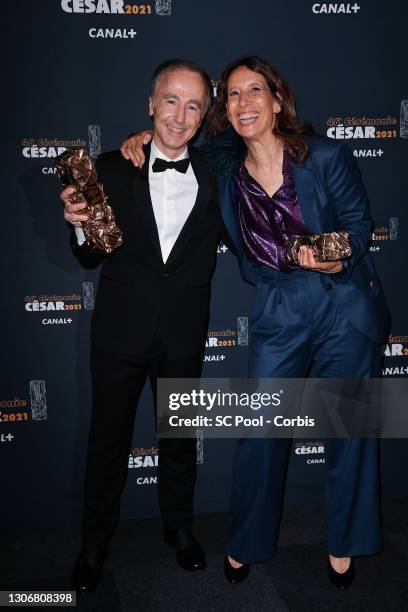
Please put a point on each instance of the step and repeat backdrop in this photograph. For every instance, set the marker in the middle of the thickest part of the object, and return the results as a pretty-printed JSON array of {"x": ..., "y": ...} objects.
[{"x": 78, "y": 74}]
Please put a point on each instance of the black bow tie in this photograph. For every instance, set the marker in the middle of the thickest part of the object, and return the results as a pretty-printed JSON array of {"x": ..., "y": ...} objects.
[{"x": 160, "y": 165}]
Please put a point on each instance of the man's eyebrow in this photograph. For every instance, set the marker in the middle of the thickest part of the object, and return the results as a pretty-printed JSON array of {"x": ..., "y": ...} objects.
[{"x": 174, "y": 97}]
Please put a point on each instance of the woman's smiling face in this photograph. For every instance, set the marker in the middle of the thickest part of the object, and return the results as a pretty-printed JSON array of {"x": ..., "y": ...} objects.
[{"x": 251, "y": 106}]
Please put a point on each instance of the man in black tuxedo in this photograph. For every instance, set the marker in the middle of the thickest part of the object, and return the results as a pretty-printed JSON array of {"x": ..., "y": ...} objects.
[{"x": 152, "y": 309}]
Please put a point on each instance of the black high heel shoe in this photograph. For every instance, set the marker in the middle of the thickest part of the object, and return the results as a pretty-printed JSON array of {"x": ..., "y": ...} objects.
[
  {"x": 341, "y": 581},
  {"x": 235, "y": 574}
]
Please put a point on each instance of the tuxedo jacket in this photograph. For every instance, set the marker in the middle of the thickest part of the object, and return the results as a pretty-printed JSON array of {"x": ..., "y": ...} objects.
[
  {"x": 137, "y": 292},
  {"x": 332, "y": 198}
]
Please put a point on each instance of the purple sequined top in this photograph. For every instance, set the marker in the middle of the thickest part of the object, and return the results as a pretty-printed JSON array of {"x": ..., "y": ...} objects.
[{"x": 267, "y": 221}]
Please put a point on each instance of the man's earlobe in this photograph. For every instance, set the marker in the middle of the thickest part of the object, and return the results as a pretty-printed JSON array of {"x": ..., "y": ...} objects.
[{"x": 151, "y": 107}]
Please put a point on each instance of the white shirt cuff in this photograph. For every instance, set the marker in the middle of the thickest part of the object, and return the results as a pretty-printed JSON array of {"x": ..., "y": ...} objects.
[{"x": 80, "y": 236}]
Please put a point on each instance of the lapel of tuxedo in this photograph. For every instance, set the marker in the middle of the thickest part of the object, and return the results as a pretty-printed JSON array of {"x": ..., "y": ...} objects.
[
  {"x": 144, "y": 205},
  {"x": 193, "y": 220}
]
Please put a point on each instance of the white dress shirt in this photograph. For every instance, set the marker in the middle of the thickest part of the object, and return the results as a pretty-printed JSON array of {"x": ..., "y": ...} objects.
[{"x": 173, "y": 196}]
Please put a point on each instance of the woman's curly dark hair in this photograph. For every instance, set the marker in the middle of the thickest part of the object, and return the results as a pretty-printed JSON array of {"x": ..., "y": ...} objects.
[{"x": 287, "y": 127}]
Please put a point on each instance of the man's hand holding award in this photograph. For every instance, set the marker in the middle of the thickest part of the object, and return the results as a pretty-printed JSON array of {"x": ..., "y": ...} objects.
[{"x": 75, "y": 168}]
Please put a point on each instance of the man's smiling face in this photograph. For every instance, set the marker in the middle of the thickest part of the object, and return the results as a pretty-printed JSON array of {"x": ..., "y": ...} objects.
[{"x": 178, "y": 106}]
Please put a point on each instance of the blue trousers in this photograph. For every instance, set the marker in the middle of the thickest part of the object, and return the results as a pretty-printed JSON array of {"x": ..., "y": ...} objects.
[{"x": 293, "y": 324}]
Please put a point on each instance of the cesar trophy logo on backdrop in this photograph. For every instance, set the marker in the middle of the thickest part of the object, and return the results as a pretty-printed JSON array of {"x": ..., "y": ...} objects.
[
  {"x": 144, "y": 458},
  {"x": 396, "y": 354},
  {"x": 54, "y": 308},
  {"x": 226, "y": 339},
  {"x": 363, "y": 129},
  {"x": 242, "y": 331},
  {"x": 382, "y": 233},
  {"x": 369, "y": 128},
  {"x": 94, "y": 140},
  {"x": 15, "y": 411},
  {"x": 122, "y": 8},
  {"x": 117, "y": 7},
  {"x": 148, "y": 459},
  {"x": 12, "y": 411},
  {"x": 404, "y": 119},
  {"x": 163, "y": 7},
  {"x": 200, "y": 446},
  {"x": 88, "y": 295},
  {"x": 38, "y": 399},
  {"x": 48, "y": 148},
  {"x": 60, "y": 305},
  {"x": 307, "y": 448}
]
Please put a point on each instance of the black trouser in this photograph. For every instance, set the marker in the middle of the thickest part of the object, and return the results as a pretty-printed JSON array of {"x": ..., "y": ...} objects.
[{"x": 117, "y": 383}]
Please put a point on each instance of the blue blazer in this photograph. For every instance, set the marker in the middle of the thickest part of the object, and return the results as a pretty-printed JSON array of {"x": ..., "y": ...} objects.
[{"x": 332, "y": 197}]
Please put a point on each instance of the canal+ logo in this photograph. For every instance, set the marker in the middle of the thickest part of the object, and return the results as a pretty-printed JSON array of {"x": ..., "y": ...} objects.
[
  {"x": 116, "y": 7},
  {"x": 343, "y": 8}
]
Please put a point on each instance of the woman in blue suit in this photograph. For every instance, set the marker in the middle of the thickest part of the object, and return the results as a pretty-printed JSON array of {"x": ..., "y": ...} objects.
[{"x": 278, "y": 179}]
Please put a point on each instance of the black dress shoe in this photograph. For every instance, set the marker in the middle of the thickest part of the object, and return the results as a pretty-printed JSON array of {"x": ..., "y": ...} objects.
[
  {"x": 235, "y": 574},
  {"x": 341, "y": 581},
  {"x": 189, "y": 554},
  {"x": 88, "y": 570}
]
